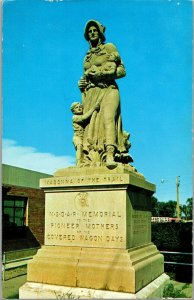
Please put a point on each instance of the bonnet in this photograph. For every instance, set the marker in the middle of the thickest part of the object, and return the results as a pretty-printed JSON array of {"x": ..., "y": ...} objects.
[{"x": 100, "y": 27}]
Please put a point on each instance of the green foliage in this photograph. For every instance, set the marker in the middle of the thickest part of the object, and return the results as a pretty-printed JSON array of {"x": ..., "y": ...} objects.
[
  {"x": 172, "y": 236},
  {"x": 168, "y": 209},
  {"x": 189, "y": 208},
  {"x": 154, "y": 205},
  {"x": 175, "y": 237},
  {"x": 172, "y": 292},
  {"x": 163, "y": 209}
]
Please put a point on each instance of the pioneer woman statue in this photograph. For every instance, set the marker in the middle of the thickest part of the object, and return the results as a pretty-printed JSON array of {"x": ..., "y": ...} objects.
[{"x": 103, "y": 135}]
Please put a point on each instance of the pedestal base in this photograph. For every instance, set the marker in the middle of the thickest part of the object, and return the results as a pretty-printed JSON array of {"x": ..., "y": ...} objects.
[
  {"x": 120, "y": 270},
  {"x": 97, "y": 238},
  {"x": 32, "y": 290}
]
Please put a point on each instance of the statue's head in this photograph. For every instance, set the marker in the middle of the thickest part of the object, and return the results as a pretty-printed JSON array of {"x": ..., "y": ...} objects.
[
  {"x": 98, "y": 26},
  {"x": 76, "y": 108}
]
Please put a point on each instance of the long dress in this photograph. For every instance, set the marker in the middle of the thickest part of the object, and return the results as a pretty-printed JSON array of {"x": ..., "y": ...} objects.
[{"x": 102, "y": 65}]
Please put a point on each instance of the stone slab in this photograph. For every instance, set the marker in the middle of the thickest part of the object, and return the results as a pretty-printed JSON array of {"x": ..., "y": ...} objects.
[
  {"x": 104, "y": 209},
  {"x": 90, "y": 177},
  {"x": 113, "y": 218},
  {"x": 32, "y": 290},
  {"x": 98, "y": 268}
]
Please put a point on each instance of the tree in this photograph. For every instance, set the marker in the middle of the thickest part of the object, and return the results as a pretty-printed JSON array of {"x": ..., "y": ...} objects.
[
  {"x": 184, "y": 211},
  {"x": 155, "y": 208},
  {"x": 187, "y": 209},
  {"x": 163, "y": 209},
  {"x": 167, "y": 209},
  {"x": 189, "y": 204}
]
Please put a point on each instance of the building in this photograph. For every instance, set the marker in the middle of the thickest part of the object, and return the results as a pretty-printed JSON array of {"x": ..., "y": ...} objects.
[
  {"x": 23, "y": 208},
  {"x": 164, "y": 219}
]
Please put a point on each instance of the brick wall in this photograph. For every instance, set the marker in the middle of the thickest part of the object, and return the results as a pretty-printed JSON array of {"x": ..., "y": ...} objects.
[{"x": 36, "y": 213}]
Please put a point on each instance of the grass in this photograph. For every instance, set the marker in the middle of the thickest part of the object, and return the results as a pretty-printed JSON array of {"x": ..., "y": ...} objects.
[
  {"x": 177, "y": 289},
  {"x": 20, "y": 254},
  {"x": 10, "y": 288},
  {"x": 12, "y": 255}
]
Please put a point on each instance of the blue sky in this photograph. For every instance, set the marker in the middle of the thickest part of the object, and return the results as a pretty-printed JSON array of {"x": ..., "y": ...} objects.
[{"x": 43, "y": 49}]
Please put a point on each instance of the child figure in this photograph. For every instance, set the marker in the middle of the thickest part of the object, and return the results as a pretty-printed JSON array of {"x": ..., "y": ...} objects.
[
  {"x": 110, "y": 66},
  {"x": 78, "y": 121}
]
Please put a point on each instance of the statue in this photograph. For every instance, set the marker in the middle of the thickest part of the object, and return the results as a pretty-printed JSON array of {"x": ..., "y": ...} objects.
[
  {"x": 78, "y": 121},
  {"x": 103, "y": 140}
]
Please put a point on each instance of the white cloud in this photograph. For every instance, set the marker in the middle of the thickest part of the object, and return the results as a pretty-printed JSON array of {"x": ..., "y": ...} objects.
[{"x": 29, "y": 158}]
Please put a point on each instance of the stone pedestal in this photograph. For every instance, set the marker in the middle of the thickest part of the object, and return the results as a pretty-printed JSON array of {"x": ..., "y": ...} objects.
[
  {"x": 97, "y": 232},
  {"x": 33, "y": 290}
]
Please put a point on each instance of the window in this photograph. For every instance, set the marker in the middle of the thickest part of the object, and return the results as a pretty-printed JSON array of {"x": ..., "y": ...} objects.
[{"x": 14, "y": 210}]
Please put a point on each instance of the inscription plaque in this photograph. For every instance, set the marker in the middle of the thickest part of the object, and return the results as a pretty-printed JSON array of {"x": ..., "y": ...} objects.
[
  {"x": 97, "y": 180},
  {"x": 94, "y": 218},
  {"x": 141, "y": 227}
]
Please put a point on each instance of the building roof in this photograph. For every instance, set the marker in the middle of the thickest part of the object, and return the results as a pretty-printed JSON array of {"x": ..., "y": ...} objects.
[{"x": 21, "y": 177}]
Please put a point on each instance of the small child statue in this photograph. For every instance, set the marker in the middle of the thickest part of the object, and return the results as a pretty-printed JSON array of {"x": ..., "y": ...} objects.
[{"x": 78, "y": 121}]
